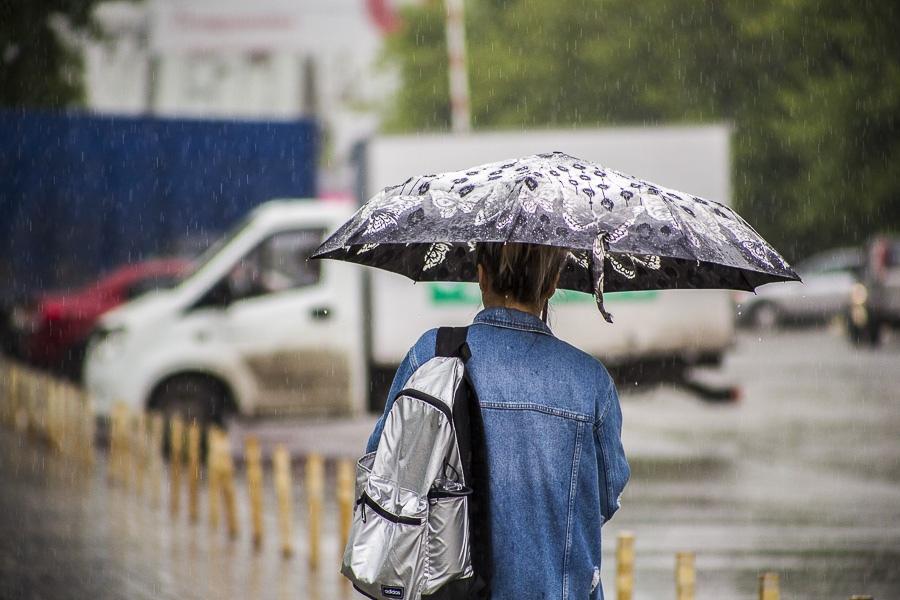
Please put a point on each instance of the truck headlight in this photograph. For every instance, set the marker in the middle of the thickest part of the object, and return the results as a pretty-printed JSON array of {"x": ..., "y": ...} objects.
[{"x": 25, "y": 319}]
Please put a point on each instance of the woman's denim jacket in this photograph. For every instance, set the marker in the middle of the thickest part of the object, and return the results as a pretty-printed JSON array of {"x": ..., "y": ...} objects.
[{"x": 552, "y": 424}]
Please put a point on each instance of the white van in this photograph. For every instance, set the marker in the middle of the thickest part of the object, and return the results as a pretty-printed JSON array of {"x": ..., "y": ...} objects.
[{"x": 256, "y": 328}]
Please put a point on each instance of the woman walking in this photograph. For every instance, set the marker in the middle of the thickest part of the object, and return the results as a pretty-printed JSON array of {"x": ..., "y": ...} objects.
[{"x": 552, "y": 425}]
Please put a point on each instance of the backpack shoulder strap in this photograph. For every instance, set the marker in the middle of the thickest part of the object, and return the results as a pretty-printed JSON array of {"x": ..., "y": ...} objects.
[
  {"x": 451, "y": 341},
  {"x": 469, "y": 429}
]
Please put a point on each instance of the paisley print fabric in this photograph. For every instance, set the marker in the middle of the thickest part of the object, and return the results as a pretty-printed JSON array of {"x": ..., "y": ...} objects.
[{"x": 646, "y": 236}]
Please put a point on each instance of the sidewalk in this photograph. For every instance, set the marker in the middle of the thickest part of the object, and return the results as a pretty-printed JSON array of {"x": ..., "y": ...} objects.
[{"x": 66, "y": 532}]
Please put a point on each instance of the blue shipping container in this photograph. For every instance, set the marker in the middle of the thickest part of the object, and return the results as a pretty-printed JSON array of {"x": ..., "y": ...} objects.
[{"x": 80, "y": 194}]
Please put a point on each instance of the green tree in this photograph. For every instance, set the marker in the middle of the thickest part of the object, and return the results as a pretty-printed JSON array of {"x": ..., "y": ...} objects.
[
  {"x": 810, "y": 86},
  {"x": 37, "y": 67}
]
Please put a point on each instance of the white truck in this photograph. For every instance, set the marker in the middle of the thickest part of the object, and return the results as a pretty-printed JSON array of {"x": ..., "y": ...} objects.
[{"x": 257, "y": 329}]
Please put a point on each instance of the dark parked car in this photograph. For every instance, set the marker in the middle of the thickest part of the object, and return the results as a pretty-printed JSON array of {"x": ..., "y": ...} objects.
[
  {"x": 875, "y": 300},
  {"x": 51, "y": 329}
]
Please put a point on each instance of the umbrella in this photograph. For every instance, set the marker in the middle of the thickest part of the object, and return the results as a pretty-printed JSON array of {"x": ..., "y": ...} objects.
[{"x": 623, "y": 233}]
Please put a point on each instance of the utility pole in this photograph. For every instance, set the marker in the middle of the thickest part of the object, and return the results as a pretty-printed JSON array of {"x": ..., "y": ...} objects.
[{"x": 460, "y": 117}]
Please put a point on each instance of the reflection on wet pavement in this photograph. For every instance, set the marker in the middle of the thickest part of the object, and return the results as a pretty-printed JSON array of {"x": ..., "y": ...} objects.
[
  {"x": 62, "y": 535},
  {"x": 801, "y": 477}
]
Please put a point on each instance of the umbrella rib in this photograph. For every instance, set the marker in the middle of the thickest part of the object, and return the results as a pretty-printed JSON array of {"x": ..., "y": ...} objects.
[
  {"x": 681, "y": 227},
  {"x": 512, "y": 223}
]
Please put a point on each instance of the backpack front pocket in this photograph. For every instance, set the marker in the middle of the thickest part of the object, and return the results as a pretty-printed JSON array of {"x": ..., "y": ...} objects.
[{"x": 384, "y": 556}]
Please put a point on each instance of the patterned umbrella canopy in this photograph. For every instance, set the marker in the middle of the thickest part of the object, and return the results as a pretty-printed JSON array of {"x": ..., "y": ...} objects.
[{"x": 623, "y": 233}]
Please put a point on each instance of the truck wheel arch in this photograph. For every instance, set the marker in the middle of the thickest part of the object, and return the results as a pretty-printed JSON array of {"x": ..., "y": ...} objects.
[{"x": 224, "y": 389}]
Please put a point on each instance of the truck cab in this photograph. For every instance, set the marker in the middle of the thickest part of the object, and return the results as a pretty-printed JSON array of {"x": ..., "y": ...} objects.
[{"x": 255, "y": 328}]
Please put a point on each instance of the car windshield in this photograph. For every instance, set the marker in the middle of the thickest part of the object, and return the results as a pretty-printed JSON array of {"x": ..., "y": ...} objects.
[{"x": 205, "y": 258}]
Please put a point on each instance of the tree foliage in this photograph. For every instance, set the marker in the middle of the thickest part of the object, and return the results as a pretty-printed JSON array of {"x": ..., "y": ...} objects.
[
  {"x": 812, "y": 88},
  {"x": 37, "y": 67}
]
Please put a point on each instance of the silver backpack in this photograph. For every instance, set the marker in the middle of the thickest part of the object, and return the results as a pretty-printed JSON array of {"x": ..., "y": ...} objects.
[{"x": 412, "y": 535}]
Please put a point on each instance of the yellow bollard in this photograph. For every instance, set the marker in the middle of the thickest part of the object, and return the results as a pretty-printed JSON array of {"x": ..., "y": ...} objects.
[
  {"x": 78, "y": 433},
  {"x": 111, "y": 432},
  {"x": 140, "y": 452},
  {"x": 88, "y": 423},
  {"x": 213, "y": 436},
  {"x": 625, "y": 566},
  {"x": 32, "y": 410},
  {"x": 226, "y": 480},
  {"x": 15, "y": 398},
  {"x": 119, "y": 466},
  {"x": 58, "y": 393},
  {"x": 20, "y": 402},
  {"x": 65, "y": 419},
  {"x": 52, "y": 422},
  {"x": 176, "y": 431},
  {"x": 281, "y": 462},
  {"x": 345, "y": 497},
  {"x": 115, "y": 442},
  {"x": 6, "y": 400},
  {"x": 119, "y": 444},
  {"x": 315, "y": 492},
  {"x": 193, "y": 470},
  {"x": 11, "y": 396},
  {"x": 768, "y": 587},
  {"x": 253, "y": 457},
  {"x": 685, "y": 576},
  {"x": 63, "y": 431},
  {"x": 70, "y": 421},
  {"x": 29, "y": 422},
  {"x": 129, "y": 452},
  {"x": 155, "y": 445}
]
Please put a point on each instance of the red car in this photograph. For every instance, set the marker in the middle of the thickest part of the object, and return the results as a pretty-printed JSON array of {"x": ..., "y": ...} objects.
[{"x": 52, "y": 330}]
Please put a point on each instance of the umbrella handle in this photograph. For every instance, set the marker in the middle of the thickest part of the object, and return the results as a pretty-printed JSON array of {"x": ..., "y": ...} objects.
[{"x": 598, "y": 262}]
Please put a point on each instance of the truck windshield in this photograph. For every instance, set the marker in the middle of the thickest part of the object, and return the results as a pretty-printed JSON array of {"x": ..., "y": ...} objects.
[{"x": 210, "y": 253}]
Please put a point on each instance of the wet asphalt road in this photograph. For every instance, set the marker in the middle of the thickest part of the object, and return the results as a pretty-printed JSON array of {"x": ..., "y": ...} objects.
[{"x": 801, "y": 477}]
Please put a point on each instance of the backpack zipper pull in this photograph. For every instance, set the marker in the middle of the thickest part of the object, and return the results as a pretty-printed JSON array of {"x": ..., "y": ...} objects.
[{"x": 362, "y": 504}]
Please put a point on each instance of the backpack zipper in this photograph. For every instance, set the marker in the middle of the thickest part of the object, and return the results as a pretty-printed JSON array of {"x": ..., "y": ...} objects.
[
  {"x": 366, "y": 500},
  {"x": 430, "y": 400}
]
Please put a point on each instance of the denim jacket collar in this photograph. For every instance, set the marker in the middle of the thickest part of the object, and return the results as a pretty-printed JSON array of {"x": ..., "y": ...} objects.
[{"x": 511, "y": 318}]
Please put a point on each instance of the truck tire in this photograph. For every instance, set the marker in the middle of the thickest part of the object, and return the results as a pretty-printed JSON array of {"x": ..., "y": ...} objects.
[{"x": 193, "y": 396}]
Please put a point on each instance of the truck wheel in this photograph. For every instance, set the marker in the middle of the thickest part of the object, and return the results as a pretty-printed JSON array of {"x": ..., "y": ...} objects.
[{"x": 194, "y": 397}]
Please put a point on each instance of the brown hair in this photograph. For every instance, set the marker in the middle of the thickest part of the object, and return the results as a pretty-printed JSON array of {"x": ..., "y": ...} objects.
[{"x": 524, "y": 272}]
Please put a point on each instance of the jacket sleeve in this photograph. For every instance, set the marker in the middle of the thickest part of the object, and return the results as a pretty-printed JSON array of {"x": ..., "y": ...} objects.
[
  {"x": 613, "y": 467},
  {"x": 404, "y": 371}
]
